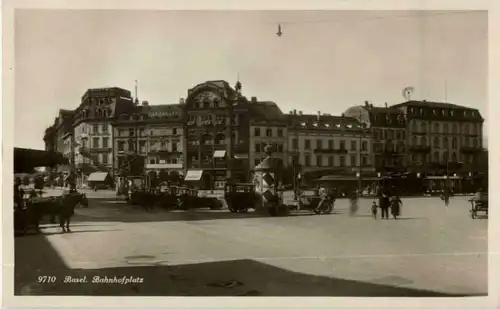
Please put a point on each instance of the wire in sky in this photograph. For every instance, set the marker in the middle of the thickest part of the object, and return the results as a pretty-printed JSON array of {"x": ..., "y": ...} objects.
[{"x": 417, "y": 14}]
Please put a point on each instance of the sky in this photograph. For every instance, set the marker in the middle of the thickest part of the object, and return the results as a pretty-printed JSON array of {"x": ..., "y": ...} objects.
[{"x": 325, "y": 60}]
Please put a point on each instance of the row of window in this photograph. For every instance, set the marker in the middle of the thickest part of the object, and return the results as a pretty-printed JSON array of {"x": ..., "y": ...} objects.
[
  {"x": 330, "y": 145},
  {"x": 389, "y": 134},
  {"x": 210, "y": 119},
  {"x": 95, "y": 128},
  {"x": 268, "y": 132},
  {"x": 140, "y": 146},
  {"x": 437, "y": 142},
  {"x": 330, "y": 161},
  {"x": 141, "y": 132},
  {"x": 443, "y": 158},
  {"x": 445, "y": 128}
]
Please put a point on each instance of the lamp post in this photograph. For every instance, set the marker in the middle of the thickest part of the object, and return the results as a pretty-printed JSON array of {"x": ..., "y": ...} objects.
[{"x": 296, "y": 176}]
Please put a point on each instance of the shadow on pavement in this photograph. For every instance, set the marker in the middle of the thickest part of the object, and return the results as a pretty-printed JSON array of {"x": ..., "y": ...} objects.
[{"x": 227, "y": 278}]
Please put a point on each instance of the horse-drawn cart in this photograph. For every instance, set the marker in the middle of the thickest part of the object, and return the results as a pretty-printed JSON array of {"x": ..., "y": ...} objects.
[{"x": 479, "y": 203}]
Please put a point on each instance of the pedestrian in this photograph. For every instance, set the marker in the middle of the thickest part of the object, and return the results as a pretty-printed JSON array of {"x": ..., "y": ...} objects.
[
  {"x": 384, "y": 204},
  {"x": 374, "y": 210},
  {"x": 354, "y": 203},
  {"x": 395, "y": 205}
]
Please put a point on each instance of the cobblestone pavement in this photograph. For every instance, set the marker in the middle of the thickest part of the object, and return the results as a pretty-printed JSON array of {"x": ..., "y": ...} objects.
[{"x": 432, "y": 250}]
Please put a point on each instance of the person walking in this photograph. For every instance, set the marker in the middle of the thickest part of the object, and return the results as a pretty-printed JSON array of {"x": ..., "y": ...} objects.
[
  {"x": 395, "y": 205},
  {"x": 354, "y": 203},
  {"x": 384, "y": 204}
]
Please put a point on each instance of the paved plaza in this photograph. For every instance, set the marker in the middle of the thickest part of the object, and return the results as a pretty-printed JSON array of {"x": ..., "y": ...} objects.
[{"x": 432, "y": 250}]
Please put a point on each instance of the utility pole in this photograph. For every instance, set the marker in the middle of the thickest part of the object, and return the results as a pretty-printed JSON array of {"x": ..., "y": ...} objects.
[
  {"x": 295, "y": 146},
  {"x": 360, "y": 182}
]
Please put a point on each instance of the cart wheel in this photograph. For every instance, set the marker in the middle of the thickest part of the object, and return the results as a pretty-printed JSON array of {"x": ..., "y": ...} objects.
[
  {"x": 232, "y": 209},
  {"x": 316, "y": 211},
  {"x": 328, "y": 209},
  {"x": 244, "y": 210}
]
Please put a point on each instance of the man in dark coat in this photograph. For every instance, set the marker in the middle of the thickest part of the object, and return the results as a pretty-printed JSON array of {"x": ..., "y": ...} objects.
[{"x": 384, "y": 203}]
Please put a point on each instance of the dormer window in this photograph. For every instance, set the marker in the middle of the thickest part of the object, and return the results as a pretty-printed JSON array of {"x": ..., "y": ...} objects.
[
  {"x": 473, "y": 114},
  {"x": 337, "y": 125},
  {"x": 465, "y": 113},
  {"x": 421, "y": 111},
  {"x": 315, "y": 124},
  {"x": 303, "y": 124},
  {"x": 452, "y": 113},
  {"x": 327, "y": 125},
  {"x": 434, "y": 111},
  {"x": 442, "y": 112}
]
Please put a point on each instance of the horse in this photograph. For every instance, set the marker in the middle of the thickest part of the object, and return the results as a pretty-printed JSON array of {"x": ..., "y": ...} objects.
[
  {"x": 66, "y": 208},
  {"x": 61, "y": 206}
]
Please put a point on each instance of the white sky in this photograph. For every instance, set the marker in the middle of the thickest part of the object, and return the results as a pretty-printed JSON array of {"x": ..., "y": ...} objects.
[{"x": 326, "y": 60}]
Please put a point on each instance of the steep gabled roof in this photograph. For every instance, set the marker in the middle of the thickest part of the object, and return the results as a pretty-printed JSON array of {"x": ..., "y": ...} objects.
[{"x": 265, "y": 111}]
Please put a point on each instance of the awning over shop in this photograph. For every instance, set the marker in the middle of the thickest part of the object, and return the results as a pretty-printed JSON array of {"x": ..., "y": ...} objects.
[
  {"x": 219, "y": 154},
  {"x": 193, "y": 175},
  {"x": 98, "y": 176}
]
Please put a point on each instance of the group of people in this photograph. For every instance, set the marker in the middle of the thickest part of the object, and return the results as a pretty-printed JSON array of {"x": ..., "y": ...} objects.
[{"x": 387, "y": 200}]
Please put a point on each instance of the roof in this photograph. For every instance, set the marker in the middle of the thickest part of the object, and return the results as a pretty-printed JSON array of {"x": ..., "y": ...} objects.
[
  {"x": 266, "y": 111},
  {"x": 425, "y": 103},
  {"x": 25, "y": 160},
  {"x": 439, "y": 110},
  {"x": 98, "y": 176},
  {"x": 325, "y": 122}
]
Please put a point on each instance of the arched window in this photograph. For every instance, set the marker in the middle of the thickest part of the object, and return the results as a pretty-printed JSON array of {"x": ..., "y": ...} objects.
[
  {"x": 423, "y": 126},
  {"x": 414, "y": 126},
  {"x": 424, "y": 141},
  {"x": 475, "y": 142},
  {"x": 445, "y": 128},
  {"x": 445, "y": 142},
  {"x": 454, "y": 143},
  {"x": 466, "y": 128},
  {"x": 414, "y": 140},
  {"x": 466, "y": 142},
  {"x": 455, "y": 128},
  {"x": 445, "y": 156},
  {"x": 454, "y": 157},
  {"x": 436, "y": 127},
  {"x": 436, "y": 142},
  {"x": 436, "y": 157}
]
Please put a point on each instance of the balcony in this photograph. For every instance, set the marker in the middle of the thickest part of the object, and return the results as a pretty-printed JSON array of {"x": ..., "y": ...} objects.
[
  {"x": 163, "y": 152},
  {"x": 468, "y": 149},
  {"x": 329, "y": 150},
  {"x": 99, "y": 149},
  {"x": 420, "y": 148}
]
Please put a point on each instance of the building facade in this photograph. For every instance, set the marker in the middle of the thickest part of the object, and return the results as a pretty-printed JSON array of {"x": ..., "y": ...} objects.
[
  {"x": 92, "y": 128},
  {"x": 216, "y": 133},
  {"x": 327, "y": 144},
  {"x": 153, "y": 133},
  {"x": 387, "y": 127},
  {"x": 268, "y": 126},
  {"x": 442, "y": 137}
]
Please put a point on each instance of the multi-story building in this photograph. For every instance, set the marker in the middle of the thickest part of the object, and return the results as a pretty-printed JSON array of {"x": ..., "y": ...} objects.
[
  {"x": 153, "y": 133},
  {"x": 216, "y": 133},
  {"x": 387, "y": 127},
  {"x": 92, "y": 128},
  {"x": 324, "y": 143},
  {"x": 268, "y": 126},
  {"x": 440, "y": 135}
]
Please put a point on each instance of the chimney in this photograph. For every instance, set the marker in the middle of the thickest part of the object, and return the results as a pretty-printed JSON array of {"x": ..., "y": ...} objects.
[
  {"x": 145, "y": 103},
  {"x": 367, "y": 104},
  {"x": 254, "y": 99},
  {"x": 371, "y": 105},
  {"x": 385, "y": 104},
  {"x": 182, "y": 101},
  {"x": 319, "y": 115},
  {"x": 300, "y": 113},
  {"x": 343, "y": 115},
  {"x": 425, "y": 101}
]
